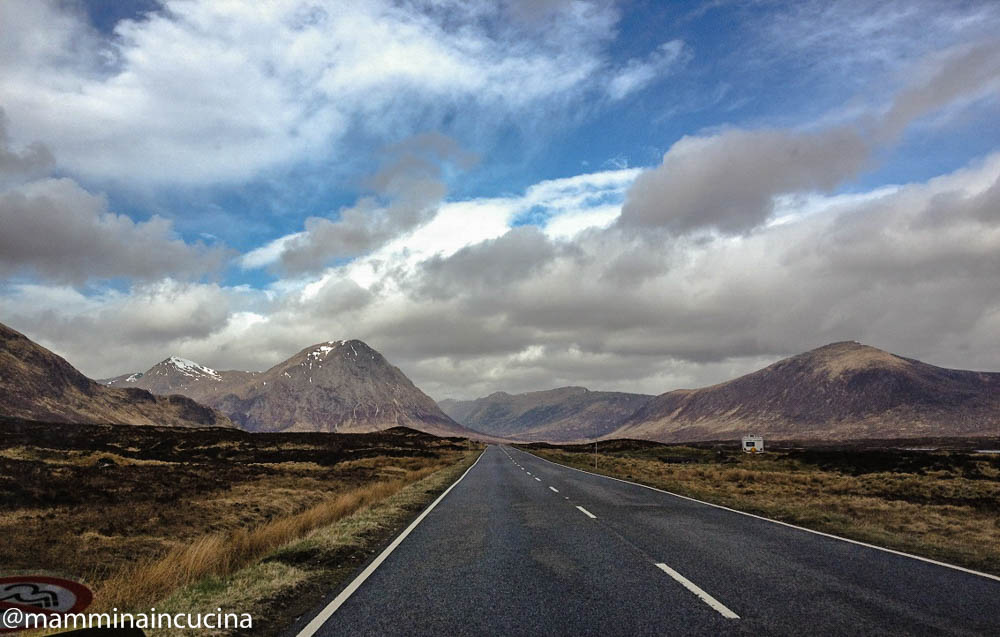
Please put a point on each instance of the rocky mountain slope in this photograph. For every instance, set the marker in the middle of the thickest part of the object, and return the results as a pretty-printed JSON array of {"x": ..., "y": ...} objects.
[
  {"x": 180, "y": 376},
  {"x": 840, "y": 391},
  {"x": 566, "y": 414},
  {"x": 337, "y": 386},
  {"x": 38, "y": 385}
]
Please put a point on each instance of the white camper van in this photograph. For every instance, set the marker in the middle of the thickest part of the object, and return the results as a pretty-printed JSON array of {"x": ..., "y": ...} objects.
[{"x": 753, "y": 443}]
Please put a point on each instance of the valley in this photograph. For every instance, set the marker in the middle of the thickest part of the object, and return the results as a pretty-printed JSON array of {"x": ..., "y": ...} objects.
[
  {"x": 151, "y": 515},
  {"x": 274, "y": 489},
  {"x": 938, "y": 498},
  {"x": 566, "y": 414}
]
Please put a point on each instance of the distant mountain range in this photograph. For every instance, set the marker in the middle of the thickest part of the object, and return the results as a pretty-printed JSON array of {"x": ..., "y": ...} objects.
[
  {"x": 567, "y": 414},
  {"x": 336, "y": 386},
  {"x": 840, "y": 391},
  {"x": 39, "y": 385},
  {"x": 836, "y": 392}
]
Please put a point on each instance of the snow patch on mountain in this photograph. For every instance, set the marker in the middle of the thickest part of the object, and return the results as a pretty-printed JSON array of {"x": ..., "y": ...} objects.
[
  {"x": 321, "y": 351},
  {"x": 192, "y": 369}
]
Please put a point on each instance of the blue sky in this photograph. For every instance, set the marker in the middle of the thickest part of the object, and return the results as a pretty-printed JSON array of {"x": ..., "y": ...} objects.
[{"x": 232, "y": 182}]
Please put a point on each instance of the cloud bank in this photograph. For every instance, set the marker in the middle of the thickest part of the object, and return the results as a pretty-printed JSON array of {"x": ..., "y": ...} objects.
[{"x": 744, "y": 242}]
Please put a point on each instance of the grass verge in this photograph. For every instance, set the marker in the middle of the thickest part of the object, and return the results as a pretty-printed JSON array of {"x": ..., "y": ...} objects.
[
  {"x": 219, "y": 554},
  {"x": 287, "y": 572},
  {"x": 944, "y": 507}
]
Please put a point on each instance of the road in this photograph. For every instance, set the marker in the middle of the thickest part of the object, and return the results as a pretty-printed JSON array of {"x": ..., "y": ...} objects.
[{"x": 521, "y": 546}]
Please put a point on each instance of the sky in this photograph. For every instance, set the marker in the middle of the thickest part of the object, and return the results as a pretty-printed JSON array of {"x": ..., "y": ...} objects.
[{"x": 501, "y": 196}]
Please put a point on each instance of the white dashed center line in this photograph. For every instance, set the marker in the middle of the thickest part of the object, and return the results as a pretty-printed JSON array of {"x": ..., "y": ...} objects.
[
  {"x": 587, "y": 513},
  {"x": 554, "y": 490},
  {"x": 702, "y": 595},
  {"x": 538, "y": 479}
]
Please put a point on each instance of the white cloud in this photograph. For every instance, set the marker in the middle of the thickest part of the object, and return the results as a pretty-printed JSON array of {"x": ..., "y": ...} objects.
[
  {"x": 570, "y": 224},
  {"x": 568, "y": 205},
  {"x": 269, "y": 252},
  {"x": 952, "y": 78},
  {"x": 486, "y": 307},
  {"x": 207, "y": 91},
  {"x": 637, "y": 74}
]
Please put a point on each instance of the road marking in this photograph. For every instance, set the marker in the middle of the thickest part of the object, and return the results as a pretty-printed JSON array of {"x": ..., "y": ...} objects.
[
  {"x": 529, "y": 473},
  {"x": 587, "y": 513},
  {"x": 325, "y": 614},
  {"x": 538, "y": 479},
  {"x": 554, "y": 490},
  {"x": 702, "y": 595},
  {"x": 791, "y": 526}
]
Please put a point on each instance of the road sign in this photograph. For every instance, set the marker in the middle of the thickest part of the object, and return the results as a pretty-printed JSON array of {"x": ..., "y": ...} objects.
[{"x": 40, "y": 594}]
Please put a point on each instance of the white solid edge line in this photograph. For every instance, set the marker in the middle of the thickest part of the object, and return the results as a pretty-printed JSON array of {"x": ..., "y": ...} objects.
[
  {"x": 587, "y": 513},
  {"x": 554, "y": 490},
  {"x": 791, "y": 526},
  {"x": 325, "y": 614},
  {"x": 702, "y": 595}
]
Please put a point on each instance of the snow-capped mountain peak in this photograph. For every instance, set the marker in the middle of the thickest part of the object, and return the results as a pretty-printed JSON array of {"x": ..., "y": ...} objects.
[
  {"x": 350, "y": 350},
  {"x": 191, "y": 368}
]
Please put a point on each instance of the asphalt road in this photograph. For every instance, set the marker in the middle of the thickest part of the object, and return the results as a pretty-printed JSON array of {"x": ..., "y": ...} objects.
[{"x": 521, "y": 546}]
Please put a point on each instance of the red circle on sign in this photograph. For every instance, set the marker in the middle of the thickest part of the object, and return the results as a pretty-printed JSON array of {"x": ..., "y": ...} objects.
[{"x": 83, "y": 596}]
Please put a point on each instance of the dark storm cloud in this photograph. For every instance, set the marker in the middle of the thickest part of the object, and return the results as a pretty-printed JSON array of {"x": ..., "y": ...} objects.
[
  {"x": 339, "y": 295},
  {"x": 728, "y": 181},
  {"x": 56, "y": 229},
  {"x": 489, "y": 266}
]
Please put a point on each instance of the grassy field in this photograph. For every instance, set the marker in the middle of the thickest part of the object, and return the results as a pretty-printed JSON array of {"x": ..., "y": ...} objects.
[
  {"x": 936, "y": 503},
  {"x": 291, "y": 580},
  {"x": 150, "y": 515}
]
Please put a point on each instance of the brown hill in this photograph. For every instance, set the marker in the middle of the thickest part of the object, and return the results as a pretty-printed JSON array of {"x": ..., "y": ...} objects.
[
  {"x": 180, "y": 376},
  {"x": 840, "y": 391},
  {"x": 337, "y": 386},
  {"x": 38, "y": 385},
  {"x": 566, "y": 414}
]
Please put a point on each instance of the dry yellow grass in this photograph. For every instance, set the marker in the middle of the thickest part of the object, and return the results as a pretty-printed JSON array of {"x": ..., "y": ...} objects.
[
  {"x": 218, "y": 554},
  {"x": 137, "y": 514},
  {"x": 294, "y": 578},
  {"x": 71, "y": 458}
]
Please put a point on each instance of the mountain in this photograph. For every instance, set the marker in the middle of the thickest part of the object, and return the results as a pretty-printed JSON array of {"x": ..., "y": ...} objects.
[
  {"x": 38, "y": 385},
  {"x": 840, "y": 391},
  {"x": 180, "y": 376},
  {"x": 567, "y": 414},
  {"x": 337, "y": 386}
]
